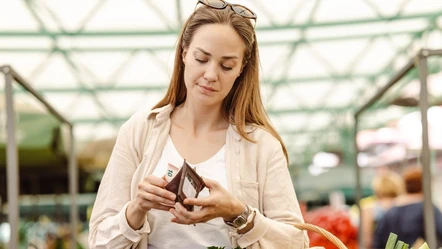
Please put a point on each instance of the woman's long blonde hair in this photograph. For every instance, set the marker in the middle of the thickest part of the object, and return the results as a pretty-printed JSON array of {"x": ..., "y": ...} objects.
[{"x": 243, "y": 104}]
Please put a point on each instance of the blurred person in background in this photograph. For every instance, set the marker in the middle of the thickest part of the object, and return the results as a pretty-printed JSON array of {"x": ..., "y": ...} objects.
[
  {"x": 213, "y": 116},
  {"x": 386, "y": 185},
  {"x": 406, "y": 218}
]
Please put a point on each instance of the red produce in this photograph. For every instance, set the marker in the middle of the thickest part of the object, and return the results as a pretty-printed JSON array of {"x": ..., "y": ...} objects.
[{"x": 337, "y": 222}]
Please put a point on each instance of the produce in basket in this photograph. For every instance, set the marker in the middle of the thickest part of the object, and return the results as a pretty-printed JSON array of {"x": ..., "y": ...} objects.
[{"x": 336, "y": 221}]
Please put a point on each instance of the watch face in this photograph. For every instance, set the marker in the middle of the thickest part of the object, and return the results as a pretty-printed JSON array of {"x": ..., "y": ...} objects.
[{"x": 239, "y": 221}]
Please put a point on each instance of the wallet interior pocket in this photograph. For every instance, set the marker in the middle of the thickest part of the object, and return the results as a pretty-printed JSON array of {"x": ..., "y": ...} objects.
[{"x": 186, "y": 184}]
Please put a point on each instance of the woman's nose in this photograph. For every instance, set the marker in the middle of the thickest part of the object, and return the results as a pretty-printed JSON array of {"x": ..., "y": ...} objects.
[{"x": 211, "y": 73}]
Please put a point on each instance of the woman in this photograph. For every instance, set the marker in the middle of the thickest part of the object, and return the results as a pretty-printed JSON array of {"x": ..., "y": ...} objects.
[
  {"x": 406, "y": 218},
  {"x": 387, "y": 185},
  {"x": 212, "y": 116}
]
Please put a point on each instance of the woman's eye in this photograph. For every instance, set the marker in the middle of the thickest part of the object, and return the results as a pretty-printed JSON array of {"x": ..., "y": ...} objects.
[
  {"x": 226, "y": 68},
  {"x": 200, "y": 61}
]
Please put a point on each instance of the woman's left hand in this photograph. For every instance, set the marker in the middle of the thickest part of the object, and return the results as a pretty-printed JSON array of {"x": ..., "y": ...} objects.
[{"x": 220, "y": 203}]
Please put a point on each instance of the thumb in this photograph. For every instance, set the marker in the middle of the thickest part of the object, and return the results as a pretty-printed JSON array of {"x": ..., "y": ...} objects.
[{"x": 210, "y": 184}]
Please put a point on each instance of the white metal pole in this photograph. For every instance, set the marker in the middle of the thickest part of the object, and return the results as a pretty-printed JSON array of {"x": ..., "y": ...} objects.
[
  {"x": 73, "y": 187},
  {"x": 11, "y": 162},
  {"x": 429, "y": 221}
]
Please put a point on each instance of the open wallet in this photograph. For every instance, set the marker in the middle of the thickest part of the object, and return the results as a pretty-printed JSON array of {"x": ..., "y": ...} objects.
[{"x": 186, "y": 184}]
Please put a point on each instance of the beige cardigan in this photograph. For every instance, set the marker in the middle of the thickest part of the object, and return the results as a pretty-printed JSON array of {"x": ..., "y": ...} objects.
[{"x": 257, "y": 175}]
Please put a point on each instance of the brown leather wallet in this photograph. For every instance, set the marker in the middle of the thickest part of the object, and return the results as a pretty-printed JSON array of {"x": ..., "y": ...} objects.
[{"x": 186, "y": 184}]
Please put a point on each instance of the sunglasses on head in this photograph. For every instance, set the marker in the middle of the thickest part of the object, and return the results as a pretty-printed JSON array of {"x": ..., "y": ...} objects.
[{"x": 237, "y": 8}]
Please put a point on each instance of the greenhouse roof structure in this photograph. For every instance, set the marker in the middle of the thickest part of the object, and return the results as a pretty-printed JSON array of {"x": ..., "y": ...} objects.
[{"x": 99, "y": 61}]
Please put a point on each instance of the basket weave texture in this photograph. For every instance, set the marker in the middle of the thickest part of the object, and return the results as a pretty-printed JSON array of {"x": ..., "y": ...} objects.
[{"x": 325, "y": 233}]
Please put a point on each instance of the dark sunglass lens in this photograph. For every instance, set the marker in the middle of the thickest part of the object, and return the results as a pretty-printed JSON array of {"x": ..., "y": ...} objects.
[
  {"x": 215, "y": 3},
  {"x": 243, "y": 11}
]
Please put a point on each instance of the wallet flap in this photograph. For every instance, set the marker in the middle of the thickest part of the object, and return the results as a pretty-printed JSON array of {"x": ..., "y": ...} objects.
[{"x": 174, "y": 184}]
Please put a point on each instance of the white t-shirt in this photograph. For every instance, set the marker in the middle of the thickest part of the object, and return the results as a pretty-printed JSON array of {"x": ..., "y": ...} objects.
[{"x": 166, "y": 234}]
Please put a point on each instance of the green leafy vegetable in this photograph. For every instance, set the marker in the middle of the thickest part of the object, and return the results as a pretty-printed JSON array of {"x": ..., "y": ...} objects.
[
  {"x": 391, "y": 242},
  {"x": 399, "y": 244},
  {"x": 424, "y": 246}
]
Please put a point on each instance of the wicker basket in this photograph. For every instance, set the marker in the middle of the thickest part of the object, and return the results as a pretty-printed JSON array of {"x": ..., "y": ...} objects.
[{"x": 325, "y": 233}]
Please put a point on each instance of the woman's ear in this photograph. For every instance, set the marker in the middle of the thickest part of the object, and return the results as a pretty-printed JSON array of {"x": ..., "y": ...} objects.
[{"x": 183, "y": 55}]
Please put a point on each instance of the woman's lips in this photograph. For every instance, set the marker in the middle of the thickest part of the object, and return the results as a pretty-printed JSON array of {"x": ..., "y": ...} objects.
[{"x": 208, "y": 88}]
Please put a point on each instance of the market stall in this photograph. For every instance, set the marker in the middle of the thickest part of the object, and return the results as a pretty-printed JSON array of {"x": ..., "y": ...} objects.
[{"x": 420, "y": 63}]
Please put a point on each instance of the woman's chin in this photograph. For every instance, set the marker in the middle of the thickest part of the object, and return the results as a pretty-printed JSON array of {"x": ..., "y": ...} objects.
[{"x": 209, "y": 101}]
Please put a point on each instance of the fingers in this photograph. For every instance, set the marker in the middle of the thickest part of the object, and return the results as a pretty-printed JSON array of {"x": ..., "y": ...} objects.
[
  {"x": 151, "y": 194},
  {"x": 182, "y": 216},
  {"x": 146, "y": 205},
  {"x": 160, "y": 206},
  {"x": 202, "y": 202},
  {"x": 158, "y": 191},
  {"x": 155, "y": 198},
  {"x": 151, "y": 205},
  {"x": 160, "y": 182},
  {"x": 210, "y": 184}
]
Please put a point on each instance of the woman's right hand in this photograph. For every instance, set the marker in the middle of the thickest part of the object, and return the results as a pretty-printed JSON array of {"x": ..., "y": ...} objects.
[{"x": 150, "y": 195}]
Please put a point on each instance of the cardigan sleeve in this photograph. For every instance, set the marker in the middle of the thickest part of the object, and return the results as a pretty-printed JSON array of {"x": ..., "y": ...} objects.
[{"x": 108, "y": 225}]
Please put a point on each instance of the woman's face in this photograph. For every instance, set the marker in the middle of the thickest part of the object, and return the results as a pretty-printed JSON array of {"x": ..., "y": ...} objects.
[{"x": 212, "y": 62}]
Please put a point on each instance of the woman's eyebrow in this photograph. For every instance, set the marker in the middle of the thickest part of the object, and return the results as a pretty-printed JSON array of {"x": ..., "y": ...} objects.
[{"x": 223, "y": 57}]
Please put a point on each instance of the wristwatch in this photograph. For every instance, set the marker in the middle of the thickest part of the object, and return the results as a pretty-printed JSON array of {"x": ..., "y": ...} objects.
[{"x": 241, "y": 220}]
